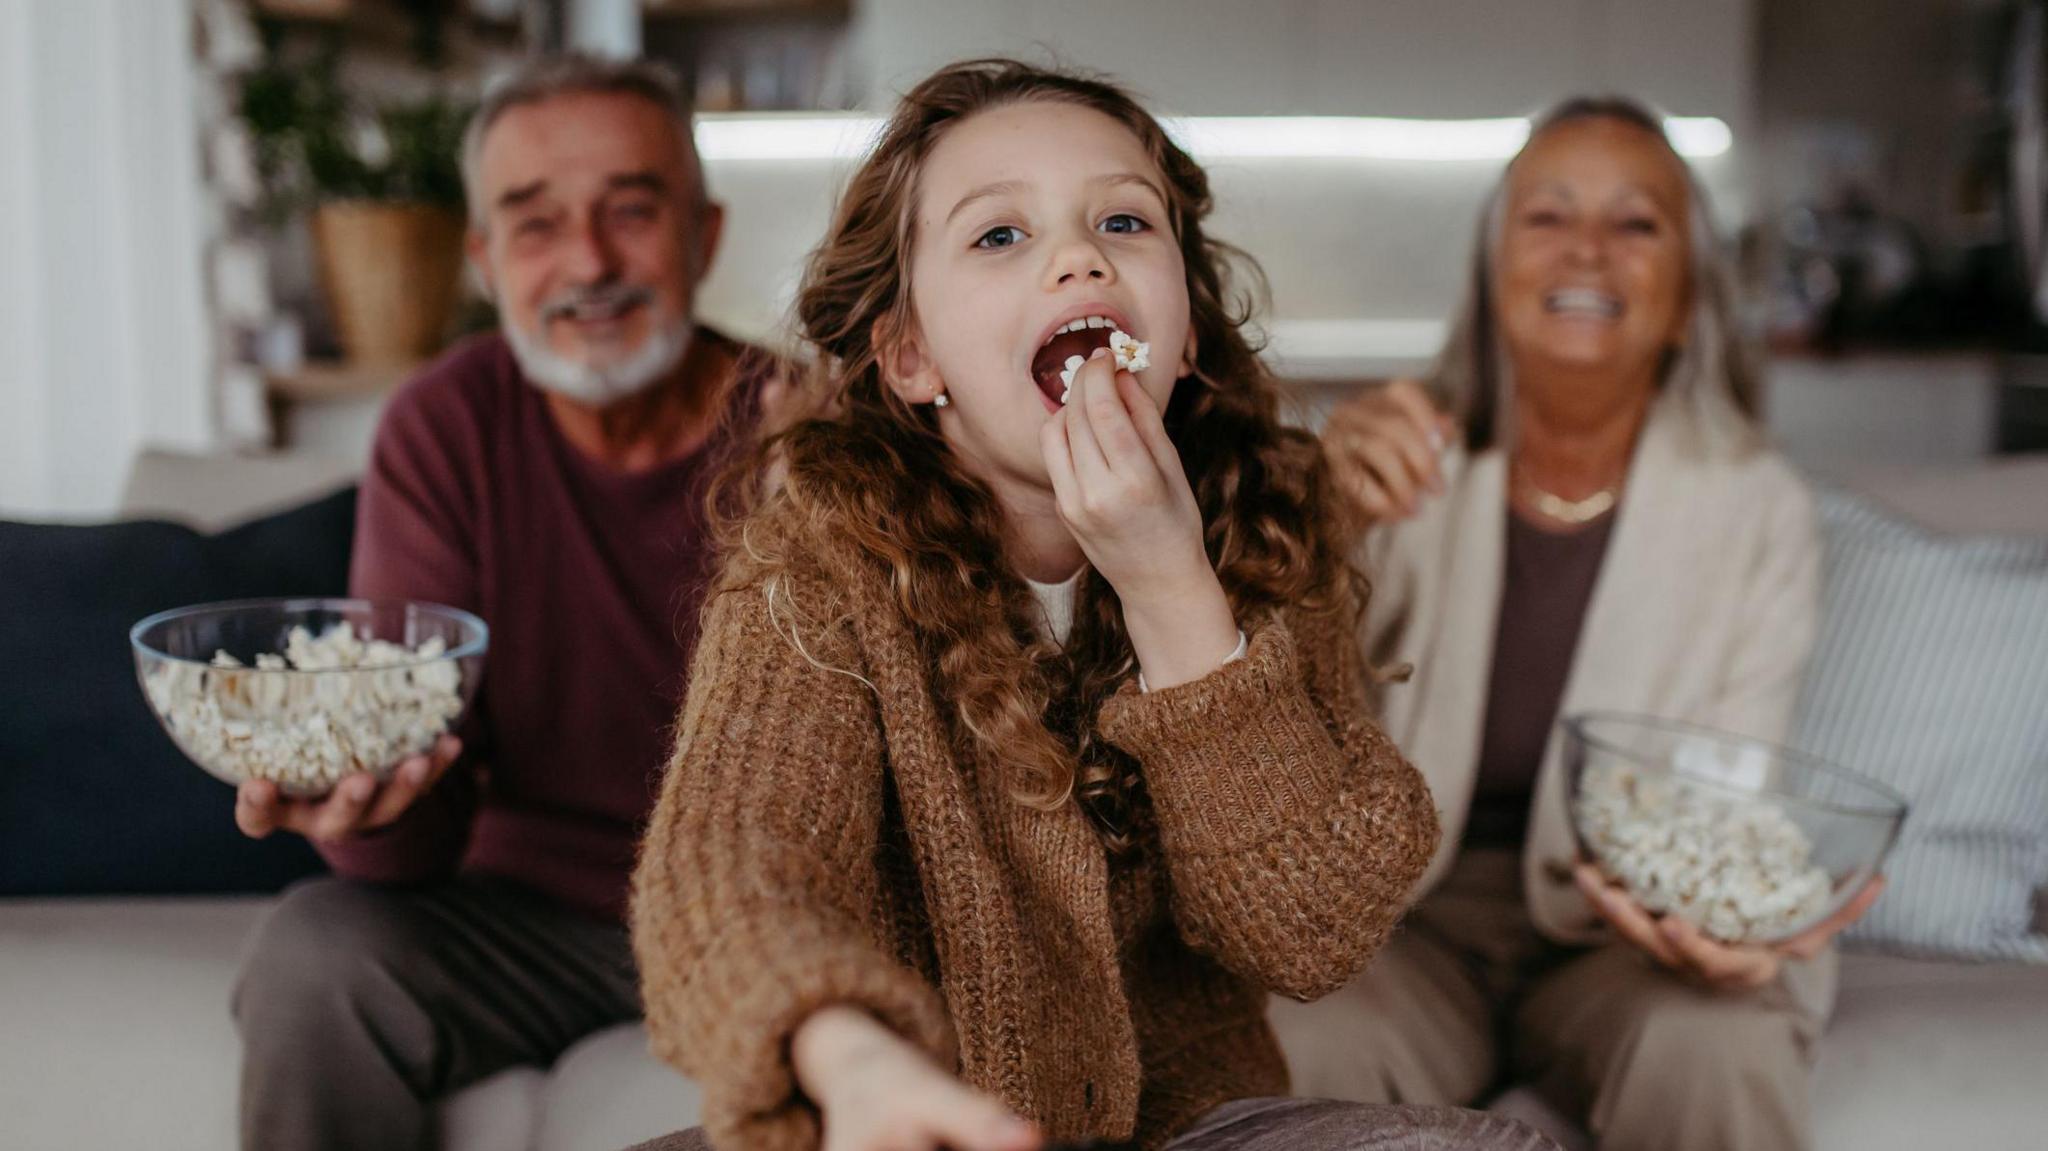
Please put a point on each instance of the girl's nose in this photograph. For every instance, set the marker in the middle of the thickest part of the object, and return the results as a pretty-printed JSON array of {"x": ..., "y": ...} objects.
[{"x": 1078, "y": 259}]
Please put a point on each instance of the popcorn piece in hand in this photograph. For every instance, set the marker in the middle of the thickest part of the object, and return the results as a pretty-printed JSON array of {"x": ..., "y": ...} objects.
[{"x": 1132, "y": 355}]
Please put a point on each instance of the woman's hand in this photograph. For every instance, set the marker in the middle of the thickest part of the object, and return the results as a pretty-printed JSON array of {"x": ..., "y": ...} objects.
[
  {"x": 1688, "y": 951},
  {"x": 1123, "y": 493},
  {"x": 878, "y": 1092},
  {"x": 1385, "y": 449}
]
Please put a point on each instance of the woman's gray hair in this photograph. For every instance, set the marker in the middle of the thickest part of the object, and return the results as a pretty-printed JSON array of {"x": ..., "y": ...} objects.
[
  {"x": 1712, "y": 373},
  {"x": 548, "y": 77}
]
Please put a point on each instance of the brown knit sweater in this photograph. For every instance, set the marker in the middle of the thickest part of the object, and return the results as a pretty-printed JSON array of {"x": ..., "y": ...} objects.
[{"x": 819, "y": 839}]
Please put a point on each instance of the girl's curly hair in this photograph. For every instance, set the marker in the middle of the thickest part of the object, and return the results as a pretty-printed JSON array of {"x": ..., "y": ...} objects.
[{"x": 874, "y": 472}]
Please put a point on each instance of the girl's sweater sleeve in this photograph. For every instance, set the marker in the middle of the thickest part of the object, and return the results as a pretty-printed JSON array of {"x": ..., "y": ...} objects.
[
  {"x": 753, "y": 898},
  {"x": 1292, "y": 827}
]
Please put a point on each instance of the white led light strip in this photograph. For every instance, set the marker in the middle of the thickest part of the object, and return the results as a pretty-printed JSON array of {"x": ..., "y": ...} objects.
[{"x": 769, "y": 136}]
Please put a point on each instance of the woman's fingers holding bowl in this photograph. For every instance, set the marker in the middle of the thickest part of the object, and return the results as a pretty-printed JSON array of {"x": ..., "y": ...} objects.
[
  {"x": 1718, "y": 965},
  {"x": 1624, "y": 915},
  {"x": 1810, "y": 943},
  {"x": 1674, "y": 941}
]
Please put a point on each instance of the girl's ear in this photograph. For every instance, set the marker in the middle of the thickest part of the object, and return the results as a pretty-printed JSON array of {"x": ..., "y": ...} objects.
[
  {"x": 905, "y": 365},
  {"x": 1187, "y": 356}
]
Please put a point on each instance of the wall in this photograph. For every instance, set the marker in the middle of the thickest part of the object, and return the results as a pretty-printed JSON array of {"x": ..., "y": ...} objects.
[
  {"x": 1428, "y": 58},
  {"x": 1349, "y": 246},
  {"x": 104, "y": 336},
  {"x": 1823, "y": 121}
]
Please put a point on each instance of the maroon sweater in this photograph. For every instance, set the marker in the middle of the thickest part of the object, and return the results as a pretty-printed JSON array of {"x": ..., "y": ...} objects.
[{"x": 590, "y": 580}]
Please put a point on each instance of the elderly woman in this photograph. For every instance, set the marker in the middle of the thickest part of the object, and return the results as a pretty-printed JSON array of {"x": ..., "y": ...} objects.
[{"x": 1580, "y": 513}]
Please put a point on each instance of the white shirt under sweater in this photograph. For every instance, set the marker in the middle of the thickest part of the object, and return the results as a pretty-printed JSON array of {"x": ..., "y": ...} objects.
[{"x": 1056, "y": 605}]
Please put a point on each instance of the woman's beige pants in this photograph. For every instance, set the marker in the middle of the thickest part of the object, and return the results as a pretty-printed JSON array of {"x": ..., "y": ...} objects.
[{"x": 1468, "y": 999}]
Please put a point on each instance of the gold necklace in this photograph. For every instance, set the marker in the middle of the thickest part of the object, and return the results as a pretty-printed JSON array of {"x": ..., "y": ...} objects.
[{"x": 1566, "y": 511}]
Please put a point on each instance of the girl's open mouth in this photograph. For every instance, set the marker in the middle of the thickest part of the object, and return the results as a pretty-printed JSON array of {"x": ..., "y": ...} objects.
[{"x": 1052, "y": 369}]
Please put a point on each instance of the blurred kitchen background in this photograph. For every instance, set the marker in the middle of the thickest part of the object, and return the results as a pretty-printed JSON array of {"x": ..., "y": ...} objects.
[{"x": 231, "y": 227}]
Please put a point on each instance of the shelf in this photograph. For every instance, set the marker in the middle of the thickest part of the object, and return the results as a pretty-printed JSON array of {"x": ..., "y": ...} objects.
[
  {"x": 333, "y": 11},
  {"x": 741, "y": 9},
  {"x": 328, "y": 381}
]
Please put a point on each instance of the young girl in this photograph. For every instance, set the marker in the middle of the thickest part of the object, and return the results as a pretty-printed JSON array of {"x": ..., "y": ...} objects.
[{"x": 1023, "y": 753}]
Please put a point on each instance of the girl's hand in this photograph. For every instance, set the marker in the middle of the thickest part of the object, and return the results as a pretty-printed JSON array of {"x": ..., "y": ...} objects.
[
  {"x": 1385, "y": 449},
  {"x": 1122, "y": 492},
  {"x": 878, "y": 1092},
  {"x": 1685, "y": 949}
]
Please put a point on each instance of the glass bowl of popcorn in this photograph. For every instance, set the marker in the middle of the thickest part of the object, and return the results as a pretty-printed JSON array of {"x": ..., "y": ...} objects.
[
  {"x": 305, "y": 692},
  {"x": 1748, "y": 841}
]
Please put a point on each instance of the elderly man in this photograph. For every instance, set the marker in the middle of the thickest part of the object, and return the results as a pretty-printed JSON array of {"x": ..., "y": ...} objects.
[{"x": 549, "y": 479}]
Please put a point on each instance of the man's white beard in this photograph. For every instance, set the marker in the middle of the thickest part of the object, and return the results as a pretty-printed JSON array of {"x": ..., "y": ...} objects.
[{"x": 599, "y": 387}]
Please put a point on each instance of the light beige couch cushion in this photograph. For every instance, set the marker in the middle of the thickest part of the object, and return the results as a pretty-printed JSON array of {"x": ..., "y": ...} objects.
[
  {"x": 213, "y": 492},
  {"x": 117, "y": 1034},
  {"x": 1923, "y": 1054}
]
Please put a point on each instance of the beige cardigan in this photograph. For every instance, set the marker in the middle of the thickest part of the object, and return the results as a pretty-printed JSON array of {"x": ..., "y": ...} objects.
[{"x": 1704, "y": 610}]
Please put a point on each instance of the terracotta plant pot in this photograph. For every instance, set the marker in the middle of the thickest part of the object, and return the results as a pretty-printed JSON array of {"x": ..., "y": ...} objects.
[{"x": 392, "y": 274}]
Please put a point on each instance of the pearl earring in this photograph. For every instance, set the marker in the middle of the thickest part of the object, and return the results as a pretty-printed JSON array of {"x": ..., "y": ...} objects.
[{"x": 942, "y": 400}]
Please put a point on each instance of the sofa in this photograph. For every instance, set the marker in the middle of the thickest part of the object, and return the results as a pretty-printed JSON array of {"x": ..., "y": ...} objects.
[{"x": 113, "y": 1006}]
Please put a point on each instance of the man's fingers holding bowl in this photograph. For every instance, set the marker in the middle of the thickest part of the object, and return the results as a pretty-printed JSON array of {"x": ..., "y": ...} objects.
[
  {"x": 412, "y": 777},
  {"x": 256, "y": 808},
  {"x": 340, "y": 814}
]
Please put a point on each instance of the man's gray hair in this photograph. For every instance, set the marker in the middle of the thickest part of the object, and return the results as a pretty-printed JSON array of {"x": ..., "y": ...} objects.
[
  {"x": 548, "y": 77},
  {"x": 1711, "y": 373}
]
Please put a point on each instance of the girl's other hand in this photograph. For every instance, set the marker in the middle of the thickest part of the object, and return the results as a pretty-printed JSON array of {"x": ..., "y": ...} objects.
[{"x": 878, "y": 1092}]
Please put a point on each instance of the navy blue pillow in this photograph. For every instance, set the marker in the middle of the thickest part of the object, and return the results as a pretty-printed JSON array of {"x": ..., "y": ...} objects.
[{"x": 94, "y": 798}]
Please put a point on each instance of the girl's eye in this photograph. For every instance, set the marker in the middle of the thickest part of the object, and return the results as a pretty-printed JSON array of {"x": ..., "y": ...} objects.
[
  {"x": 1000, "y": 237},
  {"x": 1543, "y": 218},
  {"x": 1123, "y": 223},
  {"x": 1640, "y": 226}
]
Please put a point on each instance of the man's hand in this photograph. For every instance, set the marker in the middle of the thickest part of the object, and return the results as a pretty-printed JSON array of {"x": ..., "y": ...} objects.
[
  {"x": 1687, "y": 950},
  {"x": 357, "y": 804}
]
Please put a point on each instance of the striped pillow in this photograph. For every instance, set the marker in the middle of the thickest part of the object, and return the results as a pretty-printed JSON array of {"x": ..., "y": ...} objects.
[{"x": 1931, "y": 673}]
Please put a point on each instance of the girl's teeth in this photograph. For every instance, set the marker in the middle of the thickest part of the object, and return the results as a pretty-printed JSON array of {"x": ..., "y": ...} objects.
[{"x": 1082, "y": 324}]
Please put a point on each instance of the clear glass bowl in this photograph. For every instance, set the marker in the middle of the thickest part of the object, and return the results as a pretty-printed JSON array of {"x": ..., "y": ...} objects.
[
  {"x": 1751, "y": 842},
  {"x": 357, "y": 707}
]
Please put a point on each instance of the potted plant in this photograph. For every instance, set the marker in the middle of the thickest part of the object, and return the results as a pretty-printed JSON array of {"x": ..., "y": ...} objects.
[{"x": 382, "y": 187}]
